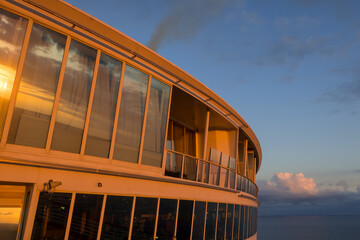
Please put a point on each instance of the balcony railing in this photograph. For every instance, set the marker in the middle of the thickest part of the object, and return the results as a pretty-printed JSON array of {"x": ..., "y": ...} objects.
[{"x": 180, "y": 165}]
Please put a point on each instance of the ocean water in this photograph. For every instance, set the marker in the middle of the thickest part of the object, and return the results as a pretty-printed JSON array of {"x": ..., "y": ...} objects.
[{"x": 309, "y": 228}]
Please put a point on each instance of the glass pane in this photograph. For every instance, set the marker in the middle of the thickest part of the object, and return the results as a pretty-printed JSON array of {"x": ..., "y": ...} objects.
[
  {"x": 144, "y": 218},
  {"x": 220, "y": 230},
  {"x": 236, "y": 223},
  {"x": 214, "y": 174},
  {"x": 178, "y": 132},
  {"x": 86, "y": 216},
  {"x": 34, "y": 102},
  {"x": 232, "y": 163},
  {"x": 199, "y": 220},
  {"x": 156, "y": 124},
  {"x": 238, "y": 182},
  {"x": 211, "y": 221},
  {"x": 11, "y": 205},
  {"x": 169, "y": 139},
  {"x": 203, "y": 174},
  {"x": 166, "y": 220},
  {"x": 190, "y": 142},
  {"x": 229, "y": 221},
  {"x": 190, "y": 165},
  {"x": 117, "y": 218},
  {"x": 103, "y": 107},
  {"x": 184, "y": 219},
  {"x": 246, "y": 221},
  {"x": 214, "y": 156},
  {"x": 51, "y": 216},
  {"x": 173, "y": 165},
  {"x": 241, "y": 230},
  {"x": 224, "y": 160},
  {"x": 11, "y": 39},
  {"x": 232, "y": 179},
  {"x": 74, "y": 98},
  {"x": 131, "y": 115},
  {"x": 224, "y": 176}
]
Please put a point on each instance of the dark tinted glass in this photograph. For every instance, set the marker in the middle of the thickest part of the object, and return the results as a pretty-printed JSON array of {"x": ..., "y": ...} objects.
[
  {"x": 236, "y": 223},
  {"x": 51, "y": 216},
  {"x": 229, "y": 221},
  {"x": 166, "y": 219},
  {"x": 86, "y": 216},
  {"x": 144, "y": 218},
  {"x": 117, "y": 218},
  {"x": 211, "y": 221},
  {"x": 184, "y": 220},
  {"x": 220, "y": 230},
  {"x": 241, "y": 230},
  {"x": 199, "y": 220},
  {"x": 246, "y": 221}
]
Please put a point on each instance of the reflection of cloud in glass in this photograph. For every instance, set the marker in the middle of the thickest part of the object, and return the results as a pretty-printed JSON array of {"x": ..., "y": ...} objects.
[{"x": 10, "y": 215}]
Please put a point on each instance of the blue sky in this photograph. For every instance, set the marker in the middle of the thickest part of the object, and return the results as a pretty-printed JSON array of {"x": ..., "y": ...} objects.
[{"x": 291, "y": 68}]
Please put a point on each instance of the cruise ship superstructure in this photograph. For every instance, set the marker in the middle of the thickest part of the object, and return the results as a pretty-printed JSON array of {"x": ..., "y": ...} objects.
[{"x": 102, "y": 138}]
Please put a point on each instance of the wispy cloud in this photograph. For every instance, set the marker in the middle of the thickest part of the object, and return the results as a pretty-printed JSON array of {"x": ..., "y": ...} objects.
[{"x": 185, "y": 19}]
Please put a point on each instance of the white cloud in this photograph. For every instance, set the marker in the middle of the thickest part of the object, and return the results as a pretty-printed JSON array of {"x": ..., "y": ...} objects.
[{"x": 293, "y": 183}]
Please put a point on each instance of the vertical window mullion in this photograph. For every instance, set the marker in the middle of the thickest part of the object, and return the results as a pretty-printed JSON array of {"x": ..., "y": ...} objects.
[
  {"x": 166, "y": 133},
  {"x": 132, "y": 218},
  {"x": 157, "y": 218},
  {"x": 216, "y": 221},
  {"x": 101, "y": 217},
  {"x": 71, "y": 209},
  {"x": 177, "y": 217},
  {"x": 16, "y": 84},
  {"x": 58, "y": 93},
  {"x": 205, "y": 220},
  {"x": 117, "y": 110},
  {"x": 144, "y": 121},
  {"x": 90, "y": 103},
  {"x": 192, "y": 220},
  {"x": 226, "y": 212}
]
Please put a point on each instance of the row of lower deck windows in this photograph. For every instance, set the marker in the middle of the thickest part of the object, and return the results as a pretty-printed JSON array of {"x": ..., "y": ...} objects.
[{"x": 89, "y": 216}]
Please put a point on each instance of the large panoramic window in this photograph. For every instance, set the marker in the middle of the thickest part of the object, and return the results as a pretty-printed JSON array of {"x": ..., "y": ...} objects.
[
  {"x": 74, "y": 98},
  {"x": 51, "y": 216},
  {"x": 131, "y": 116},
  {"x": 11, "y": 39},
  {"x": 144, "y": 218},
  {"x": 199, "y": 220},
  {"x": 236, "y": 222},
  {"x": 86, "y": 216},
  {"x": 103, "y": 107},
  {"x": 35, "y": 98},
  {"x": 184, "y": 219},
  {"x": 156, "y": 123},
  {"x": 229, "y": 221},
  {"x": 117, "y": 216},
  {"x": 166, "y": 220},
  {"x": 211, "y": 220},
  {"x": 220, "y": 230}
]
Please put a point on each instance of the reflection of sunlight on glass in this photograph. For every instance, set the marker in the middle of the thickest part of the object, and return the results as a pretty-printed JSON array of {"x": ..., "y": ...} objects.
[
  {"x": 7, "y": 76},
  {"x": 10, "y": 215}
]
